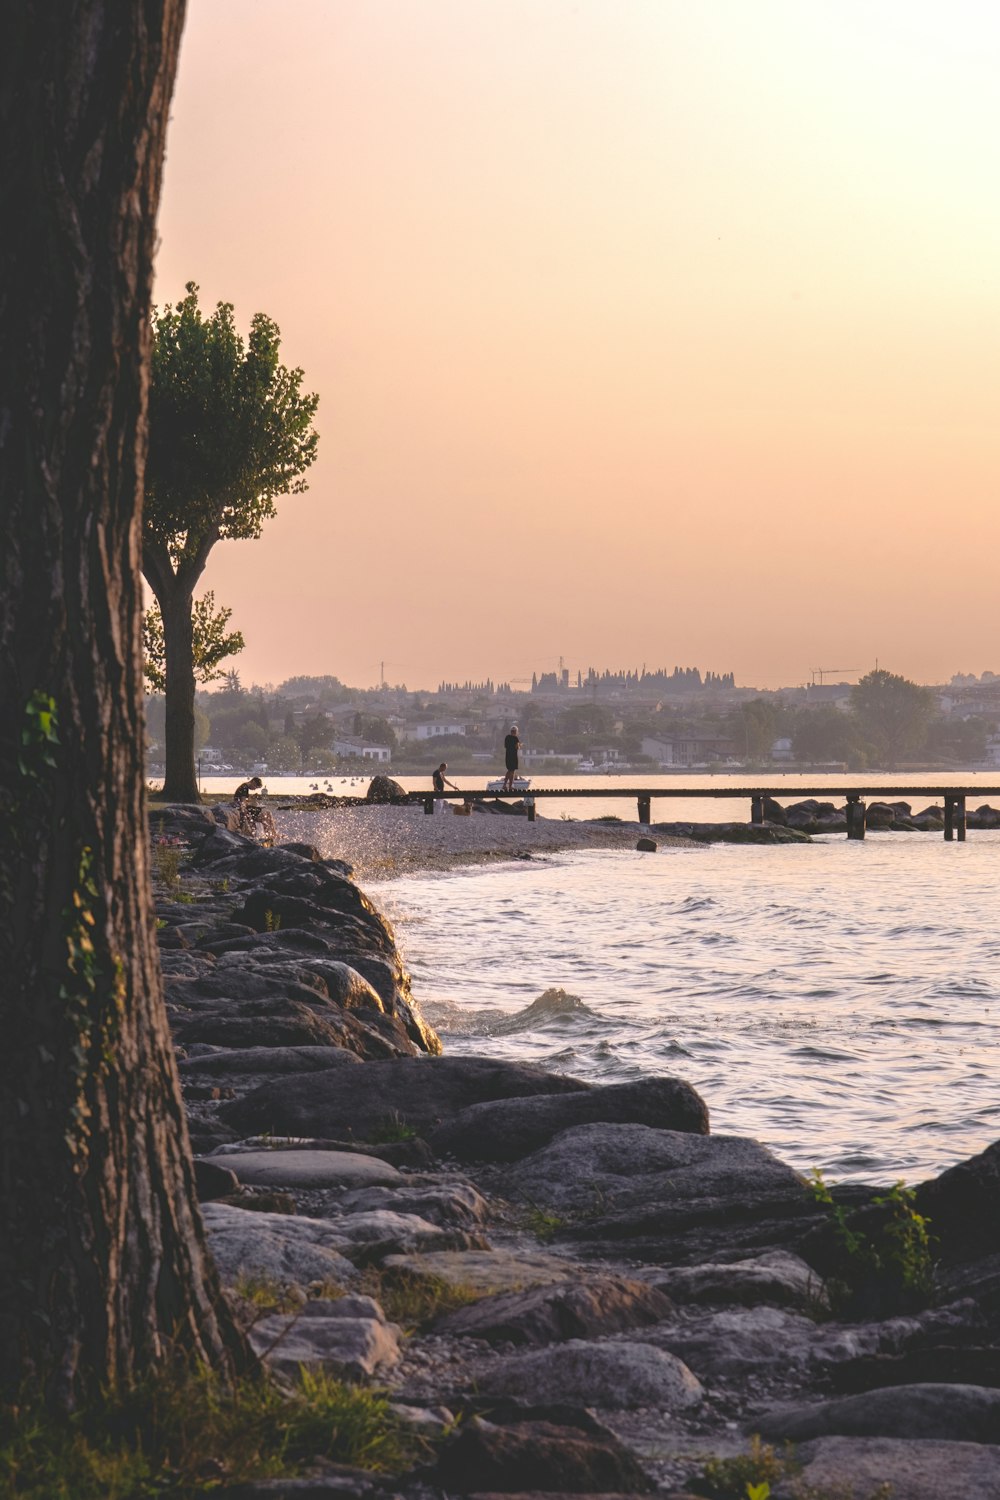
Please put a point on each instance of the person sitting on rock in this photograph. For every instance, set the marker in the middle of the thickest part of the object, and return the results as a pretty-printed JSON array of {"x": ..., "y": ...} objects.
[{"x": 255, "y": 822}]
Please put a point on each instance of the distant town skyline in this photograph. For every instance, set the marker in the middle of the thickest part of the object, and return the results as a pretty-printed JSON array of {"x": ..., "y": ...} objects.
[{"x": 642, "y": 332}]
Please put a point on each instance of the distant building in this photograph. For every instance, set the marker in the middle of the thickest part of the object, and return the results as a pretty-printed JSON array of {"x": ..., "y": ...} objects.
[
  {"x": 430, "y": 731},
  {"x": 691, "y": 749},
  {"x": 360, "y": 750}
]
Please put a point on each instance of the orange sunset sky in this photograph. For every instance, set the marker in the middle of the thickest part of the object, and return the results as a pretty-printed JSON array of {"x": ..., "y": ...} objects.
[{"x": 660, "y": 331}]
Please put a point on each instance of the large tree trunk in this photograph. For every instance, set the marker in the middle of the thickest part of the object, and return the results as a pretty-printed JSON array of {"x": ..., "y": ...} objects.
[
  {"x": 180, "y": 783},
  {"x": 102, "y": 1262}
]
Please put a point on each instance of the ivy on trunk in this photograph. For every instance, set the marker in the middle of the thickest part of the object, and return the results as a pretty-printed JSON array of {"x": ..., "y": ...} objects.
[{"x": 103, "y": 1267}]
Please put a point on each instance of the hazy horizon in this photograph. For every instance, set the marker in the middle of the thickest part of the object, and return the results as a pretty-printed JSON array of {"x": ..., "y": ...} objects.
[{"x": 650, "y": 332}]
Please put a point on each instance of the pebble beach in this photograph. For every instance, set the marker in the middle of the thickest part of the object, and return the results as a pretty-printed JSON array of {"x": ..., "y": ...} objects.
[{"x": 383, "y": 841}]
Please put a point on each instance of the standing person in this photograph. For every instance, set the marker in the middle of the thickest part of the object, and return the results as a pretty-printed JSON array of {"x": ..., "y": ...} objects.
[
  {"x": 511, "y": 745},
  {"x": 440, "y": 782}
]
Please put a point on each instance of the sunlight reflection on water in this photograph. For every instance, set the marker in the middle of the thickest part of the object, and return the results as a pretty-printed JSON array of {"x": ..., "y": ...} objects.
[{"x": 838, "y": 1001}]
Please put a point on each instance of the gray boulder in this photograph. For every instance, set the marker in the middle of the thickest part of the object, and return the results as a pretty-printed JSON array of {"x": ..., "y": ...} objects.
[
  {"x": 487, "y": 1272},
  {"x": 445, "y": 1203},
  {"x": 537, "y": 1458},
  {"x": 348, "y": 1336},
  {"x": 508, "y": 1129},
  {"x": 283, "y": 1168},
  {"x": 249, "y": 1061},
  {"x": 777, "y": 1277},
  {"x": 915, "y": 1469},
  {"x": 548, "y": 1315},
  {"x": 418, "y": 1092},
  {"x": 274, "y": 1247},
  {"x": 613, "y": 1376},
  {"x": 963, "y": 1204},
  {"x": 667, "y": 1196},
  {"x": 955, "y": 1413}
]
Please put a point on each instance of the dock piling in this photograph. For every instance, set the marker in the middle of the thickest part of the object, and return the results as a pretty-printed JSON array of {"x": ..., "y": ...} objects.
[{"x": 857, "y": 816}]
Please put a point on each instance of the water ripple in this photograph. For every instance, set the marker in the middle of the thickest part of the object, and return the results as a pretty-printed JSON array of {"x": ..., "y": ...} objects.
[{"x": 819, "y": 1000}]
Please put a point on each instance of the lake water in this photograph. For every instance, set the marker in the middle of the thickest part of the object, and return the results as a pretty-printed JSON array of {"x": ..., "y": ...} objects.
[{"x": 840, "y": 1001}]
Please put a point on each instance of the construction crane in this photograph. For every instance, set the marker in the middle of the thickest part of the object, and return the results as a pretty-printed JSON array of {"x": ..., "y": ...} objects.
[{"x": 822, "y": 672}]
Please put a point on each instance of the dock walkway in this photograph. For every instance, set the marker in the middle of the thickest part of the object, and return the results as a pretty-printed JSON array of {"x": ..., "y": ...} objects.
[{"x": 857, "y": 797}]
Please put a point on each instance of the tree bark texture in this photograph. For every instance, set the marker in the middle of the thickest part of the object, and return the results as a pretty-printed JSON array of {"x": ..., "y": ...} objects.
[
  {"x": 102, "y": 1262},
  {"x": 174, "y": 590}
]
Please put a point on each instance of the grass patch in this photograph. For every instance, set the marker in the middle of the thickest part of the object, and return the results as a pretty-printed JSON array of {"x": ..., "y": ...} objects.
[
  {"x": 544, "y": 1226},
  {"x": 188, "y": 1434},
  {"x": 413, "y": 1299},
  {"x": 392, "y": 1128}
]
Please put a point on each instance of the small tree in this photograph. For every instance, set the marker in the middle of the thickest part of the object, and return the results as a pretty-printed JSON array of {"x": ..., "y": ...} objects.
[
  {"x": 210, "y": 642},
  {"x": 892, "y": 713},
  {"x": 230, "y": 432}
]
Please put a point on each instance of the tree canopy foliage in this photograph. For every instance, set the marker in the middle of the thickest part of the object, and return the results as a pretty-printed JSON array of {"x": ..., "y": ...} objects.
[
  {"x": 893, "y": 715},
  {"x": 230, "y": 431},
  {"x": 211, "y": 643}
]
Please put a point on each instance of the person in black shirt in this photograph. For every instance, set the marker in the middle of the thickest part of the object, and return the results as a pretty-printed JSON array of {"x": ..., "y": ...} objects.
[
  {"x": 440, "y": 782},
  {"x": 245, "y": 788},
  {"x": 511, "y": 745}
]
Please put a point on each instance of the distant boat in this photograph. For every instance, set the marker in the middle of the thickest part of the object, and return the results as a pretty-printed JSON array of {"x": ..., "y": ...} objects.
[
  {"x": 521, "y": 784},
  {"x": 586, "y": 765}
]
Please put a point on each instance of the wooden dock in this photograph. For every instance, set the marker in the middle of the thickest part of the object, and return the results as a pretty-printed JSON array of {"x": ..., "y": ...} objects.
[{"x": 857, "y": 797}]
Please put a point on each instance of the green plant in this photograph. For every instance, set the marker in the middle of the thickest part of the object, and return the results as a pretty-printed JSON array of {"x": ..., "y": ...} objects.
[
  {"x": 220, "y": 887},
  {"x": 272, "y": 921},
  {"x": 266, "y": 1294},
  {"x": 167, "y": 856},
  {"x": 747, "y": 1476},
  {"x": 543, "y": 1225},
  {"x": 888, "y": 1259},
  {"x": 392, "y": 1128},
  {"x": 185, "y": 1432},
  {"x": 414, "y": 1299}
]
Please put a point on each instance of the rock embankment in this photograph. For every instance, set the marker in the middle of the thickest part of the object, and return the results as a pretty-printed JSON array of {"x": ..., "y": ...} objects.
[{"x": 568, "y": 1288}]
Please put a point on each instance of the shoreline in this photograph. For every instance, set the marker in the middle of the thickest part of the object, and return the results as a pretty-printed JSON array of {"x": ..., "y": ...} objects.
[
  {"x": 383, "y": 842},
  {"x": 548, "y": 1278}
]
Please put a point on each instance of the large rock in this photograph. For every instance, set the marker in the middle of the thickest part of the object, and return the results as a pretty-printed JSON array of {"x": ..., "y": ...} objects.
[
  {"x": 956, "y": 1413},
  {"x": 614, "y": 1376},
  {"x": 547, "y": 1315},
  {"x": 310, "y": 1169},
  {"x": 733, "y": 833},
  {"x": 486, "y": 1272},
  {"x": 349, "y": 1337},
  {"x": 508, "y": 1129},
  {"x": 665, "y": 1195},
  {"x": 761, "y": 1342},
  {"x": 443, "y": 1202},
  {"x": 537, "y": 1456},
  {"x": 278, "y": 1004},
  {"x": 251, "y": 1061},
  {"x": 915, "y": 1469},
  {"x": 274, "y": 1247},
  {"x": 384, "y": 789},
  {"x": 963, "y": 1205},
  {"x": 417, "y": 1092},
  {"x": 777, "y": 1278}
]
